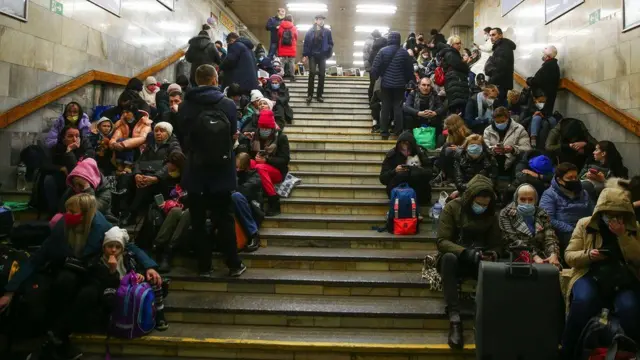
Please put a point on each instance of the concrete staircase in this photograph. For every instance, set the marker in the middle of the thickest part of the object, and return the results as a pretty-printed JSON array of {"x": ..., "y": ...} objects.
[{"x": 324, "y": 286}]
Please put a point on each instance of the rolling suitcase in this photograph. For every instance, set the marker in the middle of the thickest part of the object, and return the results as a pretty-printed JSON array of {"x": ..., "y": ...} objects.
[{"x": 519, "y": 311}]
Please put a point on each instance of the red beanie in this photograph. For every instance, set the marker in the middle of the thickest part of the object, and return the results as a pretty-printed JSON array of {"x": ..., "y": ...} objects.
[{"x": 266, "y": 120}]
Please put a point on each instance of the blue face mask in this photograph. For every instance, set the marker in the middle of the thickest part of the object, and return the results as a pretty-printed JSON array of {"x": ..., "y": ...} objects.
[
  {"x": 526, "y": 209},
  {"x": 502, "y": 126},
  {"x": 478, "y": 209},
  {"x": 474, "y": 149},
  {"x": 265, "y": 133},
  {"x": 275, "y": 86}
]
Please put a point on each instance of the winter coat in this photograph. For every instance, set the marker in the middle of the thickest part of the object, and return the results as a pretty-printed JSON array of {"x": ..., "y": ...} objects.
[
  {"x": 486, "y": 50},
  {"x": 547, "y": 79},
  {"x": 477, "y": 112},
  {"x": 282, "y": 156},
  {"x": 201, "y": 51},
  {"x": 500, "y": 65},
  {"x": 272, "y": 26},
  {"x": 162, "y": 99},
  {"x": 83, "y": 125},
  {"x": 103, "y": 153},
  {"x": 240, "y": 65},
  {"x": 59, "y": 157},
  {"x": 55, "y": 250},
  {"x": 366, "y": 51},
  {"x": 456, "y": 77},
  {"x": 465, "y": 168},
  {"x": 516, "y": 232},
  {"x": 88, "y": 170},
  {"x": 417, "y": 102},
  {"x": 281, "y": 110},
  {"x": 435, "y": 40},
  {"x": 515, "y": 136},
  {"x": 563, "y": 210},
  {"x": 154, "y": 156},
  {"x": 100, "y": 271},
  {"x": 324, "y": 50},
  {"x": 173, "y": 119},
  {"x": 567, "y": 131},
  {"x": 393, "y": 64},
  {"x": 587, "y": 236},
  {"x": 541, "y": 182},
  {"x": 378, "y": 44},
  {"x": 196, "y": 178},
  {"x": 459, "y": 228},
  {"x": 250, "y": 185},
  {"x": 141, "y": 129},
  {"x": 287, "y": 50},
  {"x": 417, "y": 177}
]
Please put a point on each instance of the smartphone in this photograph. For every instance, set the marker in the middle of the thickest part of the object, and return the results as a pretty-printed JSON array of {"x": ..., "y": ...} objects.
[
  {"x": 499, "y": 145},
  {"x": 159, "y": 199},
  {"x": 593, "y": 171},
  {"x": 604, "y": 251}
]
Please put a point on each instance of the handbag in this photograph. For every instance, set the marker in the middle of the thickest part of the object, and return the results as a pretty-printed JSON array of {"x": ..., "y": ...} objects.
[{"x": 425, "y": 137}]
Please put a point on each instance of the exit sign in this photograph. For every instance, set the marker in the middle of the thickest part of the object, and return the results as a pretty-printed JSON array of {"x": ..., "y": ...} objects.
[{"x": 57, "y": 7}]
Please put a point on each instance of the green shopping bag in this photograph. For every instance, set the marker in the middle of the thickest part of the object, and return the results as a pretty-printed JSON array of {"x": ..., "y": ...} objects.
[{"x": 425, "y": 137}]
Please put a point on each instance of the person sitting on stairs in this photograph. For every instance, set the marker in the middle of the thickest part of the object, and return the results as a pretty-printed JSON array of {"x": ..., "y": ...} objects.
[
  {"x": 248, "y": 200},
  {"x": 468, "y": 232}
]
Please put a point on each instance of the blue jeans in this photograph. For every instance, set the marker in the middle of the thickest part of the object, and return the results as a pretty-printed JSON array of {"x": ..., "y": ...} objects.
[
  {"x": 536, "y": 124},
  {"x": 243, "y": 213},
  {"x": 587, "y": 303},
  {"x": 273, "y": 49}
]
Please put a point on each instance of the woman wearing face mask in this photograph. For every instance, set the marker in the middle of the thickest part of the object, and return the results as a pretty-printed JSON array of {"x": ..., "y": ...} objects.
[
  {"x": 72, "y": 116},
  {"x": 269, "y": 148},
  {"x": 473, "y": 159},
  {"x": 604, "y": 253},
  {"x": 457, "y": 133},
  {"x": 150, "y": 90},
  {"x": 479, "y": 109},
  {"x": 539, "y": 124},
  {"x": 86, "y": 178},
  {"x": 525, "y": 224},
  {"x": 606, "y": 163},
  {"x": 407, "y": 163},
  {"x": 565, "y": 202},
  {"x": 74, "y": 295},
  {"x": 276, "y": 90},
  {"x": 468, "y": 232},
  {"x": 507, "y": 140}
]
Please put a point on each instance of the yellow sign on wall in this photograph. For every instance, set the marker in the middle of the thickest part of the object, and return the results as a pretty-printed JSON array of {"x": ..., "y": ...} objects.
[{"x": 227, "y": 22}]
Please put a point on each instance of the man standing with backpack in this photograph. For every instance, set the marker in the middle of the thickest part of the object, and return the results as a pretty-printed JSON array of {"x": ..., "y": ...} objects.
[
  {"x": 209, "y": 123},
  {"x": 318, "y": 47},
  {"x": 273, "y": 25},
  {"x": 288, "y": 37}
]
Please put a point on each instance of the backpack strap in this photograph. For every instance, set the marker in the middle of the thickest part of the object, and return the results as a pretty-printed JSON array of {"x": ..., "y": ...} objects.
[
  {"x": 413, "y": 208},
  {"x": 395, "y": 208}
]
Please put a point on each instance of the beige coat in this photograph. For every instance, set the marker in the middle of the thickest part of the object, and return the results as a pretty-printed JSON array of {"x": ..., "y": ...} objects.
[{"x": 577, "y": 252}]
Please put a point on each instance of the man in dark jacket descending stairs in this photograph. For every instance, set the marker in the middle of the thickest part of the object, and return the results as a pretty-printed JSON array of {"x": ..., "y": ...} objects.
[{"x": 201, "y": 51}]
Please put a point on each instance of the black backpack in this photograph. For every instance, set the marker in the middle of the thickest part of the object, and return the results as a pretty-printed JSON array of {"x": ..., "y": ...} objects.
[
  {"x": 603, "y": 332},
  {"x": 287, "y": 37},
  {"x": 210, "y": 138},
  {"x": 10, "y": 262}
]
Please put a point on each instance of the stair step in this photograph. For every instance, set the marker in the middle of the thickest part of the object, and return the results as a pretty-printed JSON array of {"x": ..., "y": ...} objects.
[
  {"x": 343, "y": 104},
  {"x": 351, "y": 191},
  {"x": 349, "y": 166},
  {"x": 335, "y": 206},
  {"x": 317, "y": 144},
  {"x": 312, "y": 126},
  {"x": 332, "y": 154},
  {"x": 336, "y": 177},
  {"x": 340, "y": 115},
  {"x": 307, "y": 310},
  {"x": 324, "y": 221},
  {"x": 331, "y": 123},
  {"x": 333, "y": 135},
  {"x": 329, "y": 97},
  {"x": 303, "y": 109},
  {"x": 229, "y": 341},
  {"x": 330, "y": 86}
]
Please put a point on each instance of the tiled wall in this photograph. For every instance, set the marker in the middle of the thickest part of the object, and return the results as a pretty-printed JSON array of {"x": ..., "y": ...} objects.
[
  {"x": 598, "y": 56},
  {"x": 51, "y": 49}
]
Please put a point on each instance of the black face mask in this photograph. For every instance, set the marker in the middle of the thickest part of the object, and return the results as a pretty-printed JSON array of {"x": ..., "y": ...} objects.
[{"x": 574, "y": 186}]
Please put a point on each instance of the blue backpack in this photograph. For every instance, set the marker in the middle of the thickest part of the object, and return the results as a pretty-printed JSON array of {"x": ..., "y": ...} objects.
[
  {"x": 134, "y": 314},
  {"x": 402, "y": 218}
]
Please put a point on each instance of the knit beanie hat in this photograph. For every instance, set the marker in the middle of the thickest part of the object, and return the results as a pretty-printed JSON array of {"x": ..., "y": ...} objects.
[
  {"x": 256, "y": 95},
  {"x": 117, "y": 235},
  {"x": 166, "y": 126},
  {"x": 150, "y": 80},
  {"x": 275, "y": 77},
  {"x": 541, "y": 164},
  {"x": 173, "y": 87},
  {"x": 266, "y": 120}
]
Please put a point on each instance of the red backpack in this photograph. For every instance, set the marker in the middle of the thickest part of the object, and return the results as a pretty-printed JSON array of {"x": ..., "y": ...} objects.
[{"x": 439, "y": 76}]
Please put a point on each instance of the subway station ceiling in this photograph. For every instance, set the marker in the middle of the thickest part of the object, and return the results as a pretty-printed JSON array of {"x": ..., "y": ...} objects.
[{"x": 342, "y": 15}]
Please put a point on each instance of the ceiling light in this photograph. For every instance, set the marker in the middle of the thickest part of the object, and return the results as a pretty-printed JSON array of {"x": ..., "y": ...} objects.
[
  {"x": 358, "y": 43},
  {"x": 306, "y": 27},
  {"x": 376, "y": 8},
  {"x": 331, "y": 62},
  {"x": 358, "y": 54},
  {"x": 358, "y": 62},
  {"x": 317, "y": 7},
  {"x": 370, "y": 28}
]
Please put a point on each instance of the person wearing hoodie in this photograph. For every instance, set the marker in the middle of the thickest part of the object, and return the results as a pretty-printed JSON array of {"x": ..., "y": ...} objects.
[
  {"x": 276, "y": 90},
  {"x": 86, "y": 178},
  {"x": 407, "y": 163},
  {"x": 318, "y": 47},
  {"x": 72, "y": 116},
  {"x": 500, "y": 66},
  {"x": 547, "y": 79},
  {"x": 201, "y": 51},
  {"x": 468, "y": 232},
  {"x": 456, "y": 75},
  {"x": 479, "y": 110},
  {"x": 100, "y": 137},
  {"x": 150, "y": 90},
  {"x": 523, "y": 223},
  {"x": 240, "y": 65},
  {"x": 486, "y": 50},
  {"x": 248, "y": 200},
  {"x": 566, "y": 202},
  {"x": 604, "y": 254},
  {"x": 471, "y": 159},
  {"x": 273, "y": 25},
  {"x": 395, "y": 68},
  {"x": 287, "y": 46},
  {"x": 210, "y": 188},
  {"x": 366, "y": 55},
  {"x": 570, "y": 141},
  {"x": 507, "y": 140}
]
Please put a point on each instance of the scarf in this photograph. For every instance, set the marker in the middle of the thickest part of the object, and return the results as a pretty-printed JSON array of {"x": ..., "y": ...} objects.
[
  {"x": 482, "y": 114},
  {"x": 422, "y": 99}
]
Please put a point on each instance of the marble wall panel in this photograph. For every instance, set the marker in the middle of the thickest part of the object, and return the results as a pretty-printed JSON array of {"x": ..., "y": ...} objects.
[
  {"x": 74, "y": 34},
  {"x": 17, "y": 47},
  {"x": 5, "y": 69}
]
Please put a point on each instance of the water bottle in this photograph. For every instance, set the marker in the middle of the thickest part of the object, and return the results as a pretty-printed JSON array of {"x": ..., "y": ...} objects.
[
  {"x": 21, "y": 181},
  {"x": 436, "y": 210}
]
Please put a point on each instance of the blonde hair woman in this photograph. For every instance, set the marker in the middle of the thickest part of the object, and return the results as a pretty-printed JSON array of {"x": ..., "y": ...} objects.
[
  {"x": 74, "y": 239},
  {"x": 457, "y": 132}
]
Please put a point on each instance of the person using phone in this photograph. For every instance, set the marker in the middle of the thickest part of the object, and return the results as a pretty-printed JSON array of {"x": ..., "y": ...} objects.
[
  {"x": 507, "y": 140},
  {"x": 604, "y": 253},
  {"x": 607, "y": 162}
]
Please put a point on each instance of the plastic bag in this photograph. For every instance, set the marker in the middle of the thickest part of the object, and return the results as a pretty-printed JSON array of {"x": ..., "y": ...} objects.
[{"x": 425, "y": 137}]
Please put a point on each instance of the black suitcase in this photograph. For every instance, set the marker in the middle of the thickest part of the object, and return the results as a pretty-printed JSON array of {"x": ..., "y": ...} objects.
[{"x": 519, "y": 311}]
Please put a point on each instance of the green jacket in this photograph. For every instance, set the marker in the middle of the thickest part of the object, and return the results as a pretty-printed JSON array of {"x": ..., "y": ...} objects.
[{"x": 460, "y": 228}]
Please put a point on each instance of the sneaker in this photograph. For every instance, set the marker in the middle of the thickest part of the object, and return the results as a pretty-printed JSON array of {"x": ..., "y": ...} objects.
[
  {"x": 375, "y": 129},
  {"x": 206, "y": 274},
  {"x": 320, "y": 99},
  {"x": 239, "y": 271},
  {"x": 161, "y": 322}
]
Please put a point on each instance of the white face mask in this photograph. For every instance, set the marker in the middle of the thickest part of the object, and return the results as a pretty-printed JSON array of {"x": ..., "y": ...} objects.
[{"x": 539, "y": 106}]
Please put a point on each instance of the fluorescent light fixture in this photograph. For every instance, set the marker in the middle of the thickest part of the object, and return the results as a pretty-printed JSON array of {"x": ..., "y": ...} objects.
[
  {"x": 358, "y": 54},
  {"x": 306, "y": 27},
  {"x": 376, "y": 8},
  {"x": 358, "y": 43},
  {"x": 334, "y": 54},
  {"x": 317, "y": 7},
  {"x": 331, "y": 62},
  {"x": 370, "y": 28},
  {"x": 358, "y": 62}
]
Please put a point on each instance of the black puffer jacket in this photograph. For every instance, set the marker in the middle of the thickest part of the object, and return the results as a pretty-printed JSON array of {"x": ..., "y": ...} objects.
[
  {"x": 465, "y": 167},
  {"x": 155, "y": 155},
  {"x": 201, "y": 51},
  {"x": 456, "y": 77},
  {"x": 499, "y": 66},
  {"x": 281, "y": 110},
  {"x": 417, "y": 177},
  {"x": 250, "y": 185}
]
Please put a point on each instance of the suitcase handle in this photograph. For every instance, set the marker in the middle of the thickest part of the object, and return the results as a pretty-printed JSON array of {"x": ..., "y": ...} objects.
[{"x": 520, "y": 270}]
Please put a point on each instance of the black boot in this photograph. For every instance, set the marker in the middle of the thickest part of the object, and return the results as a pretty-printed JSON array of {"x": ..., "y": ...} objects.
[
  {"x": 273, "y": 205},
  {"x": 320, "y": 99},
  {"x": 308, "y": 100},
  {"x": 455, "y": 335},
  {"x": 254, "y": 243},
  {"x": 165, "y": 263}
]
